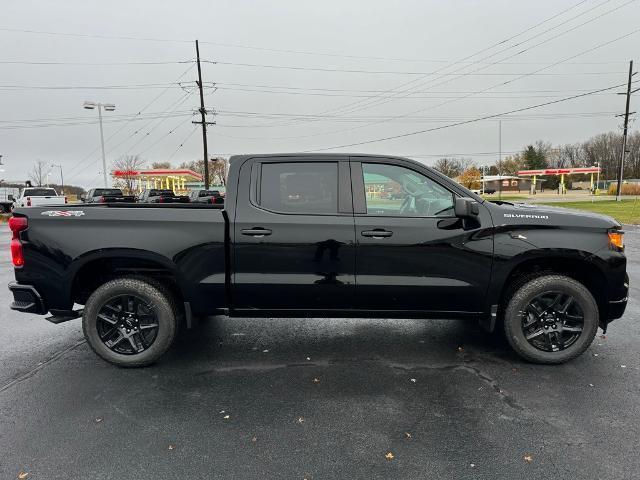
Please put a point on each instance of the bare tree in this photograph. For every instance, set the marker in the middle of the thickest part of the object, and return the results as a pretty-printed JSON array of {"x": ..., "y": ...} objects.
[
  {"x": 127, "y": 167},
  {"x": 451, "y": 167},
  {"x": 161, "y": 165},
  {"x": 39, "y": 172},
  {"x": 217, "y": 169}
]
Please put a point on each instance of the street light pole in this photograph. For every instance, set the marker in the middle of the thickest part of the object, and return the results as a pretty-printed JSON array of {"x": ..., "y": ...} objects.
[{"x": 108, "y": 107}]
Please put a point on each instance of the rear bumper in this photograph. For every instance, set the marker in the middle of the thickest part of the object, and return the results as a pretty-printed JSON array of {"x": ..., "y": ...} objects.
[{"x": 26, "y": 299}]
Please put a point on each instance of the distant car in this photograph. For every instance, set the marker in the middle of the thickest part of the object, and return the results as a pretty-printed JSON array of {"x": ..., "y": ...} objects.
[
  {"x": 206, "y": 196},
  {"x": 156, "y": 195},
  {"x": 38, "y": 197},
  {"x": 107, "y": 195}
]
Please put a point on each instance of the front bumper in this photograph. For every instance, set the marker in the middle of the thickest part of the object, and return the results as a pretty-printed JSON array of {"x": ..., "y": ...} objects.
[
  {"x": 26, "y": 299},
  {"x": 617, "y": 307}
]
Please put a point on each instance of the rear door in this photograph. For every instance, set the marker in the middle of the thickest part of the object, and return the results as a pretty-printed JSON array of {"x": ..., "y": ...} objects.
[
  {"x": 413, "y": 254},
  {"x": 294, "y": 240}
]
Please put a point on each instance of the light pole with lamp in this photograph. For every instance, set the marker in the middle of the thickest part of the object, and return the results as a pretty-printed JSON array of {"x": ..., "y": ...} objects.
[{"x": 108, "y": 107}]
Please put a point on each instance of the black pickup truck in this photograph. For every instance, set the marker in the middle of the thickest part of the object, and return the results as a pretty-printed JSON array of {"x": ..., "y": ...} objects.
[{"x": 322, "y": 236}]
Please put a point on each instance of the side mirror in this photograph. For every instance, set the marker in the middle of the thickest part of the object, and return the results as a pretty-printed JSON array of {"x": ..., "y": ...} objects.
[
  {"x": 83, "y": 198},
  {"x": 466, "y": 207},
  {"x": 10, "y": 198}
]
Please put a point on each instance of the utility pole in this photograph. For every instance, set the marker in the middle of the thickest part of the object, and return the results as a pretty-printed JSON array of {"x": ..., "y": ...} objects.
[
  {"x": 624, "y": 134},
  {"x": 203, "y": 122},
  {"x": 61, "y": 177},
  {"x": 499, "y": 159}
]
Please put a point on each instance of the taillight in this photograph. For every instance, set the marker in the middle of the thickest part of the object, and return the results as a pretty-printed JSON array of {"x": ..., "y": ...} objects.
[
  {"x": 161, "y": 200},
  {"x": 102, "y": 200},
  {"x": 28, "y": 201},
  {"x": 17, "y": 225},
  {"x": 66, "y": 200}
]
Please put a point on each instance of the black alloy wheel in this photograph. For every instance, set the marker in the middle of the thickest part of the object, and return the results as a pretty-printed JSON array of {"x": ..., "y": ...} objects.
[
  {"x": 127, "y": 324},
  {"x": 550, "y": 318},
  {"x": 552, "y": 321}
]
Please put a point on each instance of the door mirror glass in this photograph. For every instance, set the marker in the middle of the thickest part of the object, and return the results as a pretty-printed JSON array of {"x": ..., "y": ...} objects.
[
  {"x": 466, "y": 207},
  {"x": 401, "y": 192}
]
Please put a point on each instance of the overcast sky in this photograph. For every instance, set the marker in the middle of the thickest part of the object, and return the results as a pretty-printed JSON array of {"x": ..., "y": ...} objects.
[{"x": 352, "y": 78}]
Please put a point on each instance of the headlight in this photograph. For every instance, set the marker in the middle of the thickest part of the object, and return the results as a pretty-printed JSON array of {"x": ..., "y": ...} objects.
[{"x": 616, "y": 239}]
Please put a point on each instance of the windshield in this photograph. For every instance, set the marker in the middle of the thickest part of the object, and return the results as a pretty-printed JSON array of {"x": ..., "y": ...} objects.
[{"x": 40, "y": 192}]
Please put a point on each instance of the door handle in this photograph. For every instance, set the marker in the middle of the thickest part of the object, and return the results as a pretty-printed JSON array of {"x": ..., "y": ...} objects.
[
  {"x": 256, "y": 232},
  {"x": 376, "y": 233}
]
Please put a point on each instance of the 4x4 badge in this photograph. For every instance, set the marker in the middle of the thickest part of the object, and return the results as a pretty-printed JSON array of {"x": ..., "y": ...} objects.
[{"x": 63, "y": 213}]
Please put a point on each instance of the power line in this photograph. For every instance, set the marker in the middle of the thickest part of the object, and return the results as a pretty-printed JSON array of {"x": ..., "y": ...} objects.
[
  {"x": 464, "y": 122},
  {"x": 374, "y": 103},
  {"x": 394, "y": 72},
  {"x": 83, "y": 64},
  {"x": 153, "y": 100},
  {"x": 182, "y": 143}
]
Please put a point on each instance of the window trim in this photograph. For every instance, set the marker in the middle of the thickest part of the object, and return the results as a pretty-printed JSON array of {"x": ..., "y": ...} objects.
[
  {"x": 343, "y": 191},
  {"x": 358, "y": 187}
]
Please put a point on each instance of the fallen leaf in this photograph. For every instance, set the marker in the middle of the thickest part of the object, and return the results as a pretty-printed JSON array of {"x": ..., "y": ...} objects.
[
  {"x": 623, "y": 366},
  {"x": 265, "y": 351},
  {"x": 528, "y": 458},
  {"x": 389, "y": 456},
  {"x": 472, "y": 465},
  {"x": 300, "y": 420},
  {"x": 460, "y": 349},
  {"x": 254, "y": 439},
  {"x": 222, "y": 411},
  {"x": 407, "y": 434},
  {"x": 316, "y": 380},
  {"x": 171, "y": 447},
  {"x": 23, "y": 475},
  {"x": 595, "y": 354},
  {"x": 308, "y": 358},
  {"x": 226, "y": 417},
  {"x": 604, "y": 337},
  {"x": 591, "y": 385},
  {"x": 413, "y": 380},
  {"x": 98, "y": 420}
]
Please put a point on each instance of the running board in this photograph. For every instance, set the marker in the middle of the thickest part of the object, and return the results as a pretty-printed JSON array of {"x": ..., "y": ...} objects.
[{"x": 60, "y": 316}]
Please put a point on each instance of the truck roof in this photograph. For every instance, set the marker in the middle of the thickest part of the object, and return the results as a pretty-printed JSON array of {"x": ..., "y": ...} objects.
[{"x": 313, "y": 156}]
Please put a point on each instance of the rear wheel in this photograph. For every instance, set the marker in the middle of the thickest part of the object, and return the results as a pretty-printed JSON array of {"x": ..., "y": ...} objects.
[
  {"x": 130, "y": 322},
  {"x": 551, "y": 319}
]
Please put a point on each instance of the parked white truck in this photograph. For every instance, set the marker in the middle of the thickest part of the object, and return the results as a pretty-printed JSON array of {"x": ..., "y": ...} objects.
[{"x": 38, "y": 197}]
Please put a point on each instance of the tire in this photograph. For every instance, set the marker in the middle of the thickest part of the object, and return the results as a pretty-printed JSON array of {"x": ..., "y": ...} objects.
[
  {"x": 149, "y": 304},
  {"x": 528, "y": 300}
]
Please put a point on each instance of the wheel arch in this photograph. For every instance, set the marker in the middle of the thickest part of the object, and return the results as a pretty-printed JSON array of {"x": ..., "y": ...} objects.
[
  {"x": 95, "y": 268},
  {"x": 581, "y": 266}
]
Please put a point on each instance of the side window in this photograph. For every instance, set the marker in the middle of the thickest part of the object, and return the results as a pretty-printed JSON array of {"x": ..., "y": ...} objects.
[
  {"x": 401, "y": 192},
  {"x": 303, "y": 188}
]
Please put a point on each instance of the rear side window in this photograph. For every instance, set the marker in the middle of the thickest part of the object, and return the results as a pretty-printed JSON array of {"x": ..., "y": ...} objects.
[
  {"x": 40, "y": 192},
  {"x": 303, "y": 188}
]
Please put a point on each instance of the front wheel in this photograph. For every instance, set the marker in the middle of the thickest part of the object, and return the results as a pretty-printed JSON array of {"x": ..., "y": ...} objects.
[
  {"x": 551, "y": 319},
  {"x": 129, "y": 322}
]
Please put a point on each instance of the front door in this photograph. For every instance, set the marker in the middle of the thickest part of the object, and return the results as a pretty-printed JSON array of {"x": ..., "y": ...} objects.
[
  {"x": 294, "y": 240},
  {"x": 412, "y": 253}
]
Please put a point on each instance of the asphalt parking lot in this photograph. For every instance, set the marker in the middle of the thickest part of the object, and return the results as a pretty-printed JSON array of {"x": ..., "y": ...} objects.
[{"x": 317, "y": 399}]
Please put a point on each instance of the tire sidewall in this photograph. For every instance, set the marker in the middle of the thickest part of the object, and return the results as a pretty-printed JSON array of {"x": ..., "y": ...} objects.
[
  {"x": 165, "y": 317},
  {"x": 538, "y": 286}
]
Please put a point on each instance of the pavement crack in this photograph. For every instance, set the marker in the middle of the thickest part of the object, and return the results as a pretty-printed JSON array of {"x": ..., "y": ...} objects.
[
  {"x": 40, "y": 366},
  {"x": 483, "y": 376}
]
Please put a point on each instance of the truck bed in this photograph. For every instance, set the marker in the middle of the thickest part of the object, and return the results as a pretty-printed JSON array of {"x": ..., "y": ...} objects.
[{"x": 187, "y": 240}]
